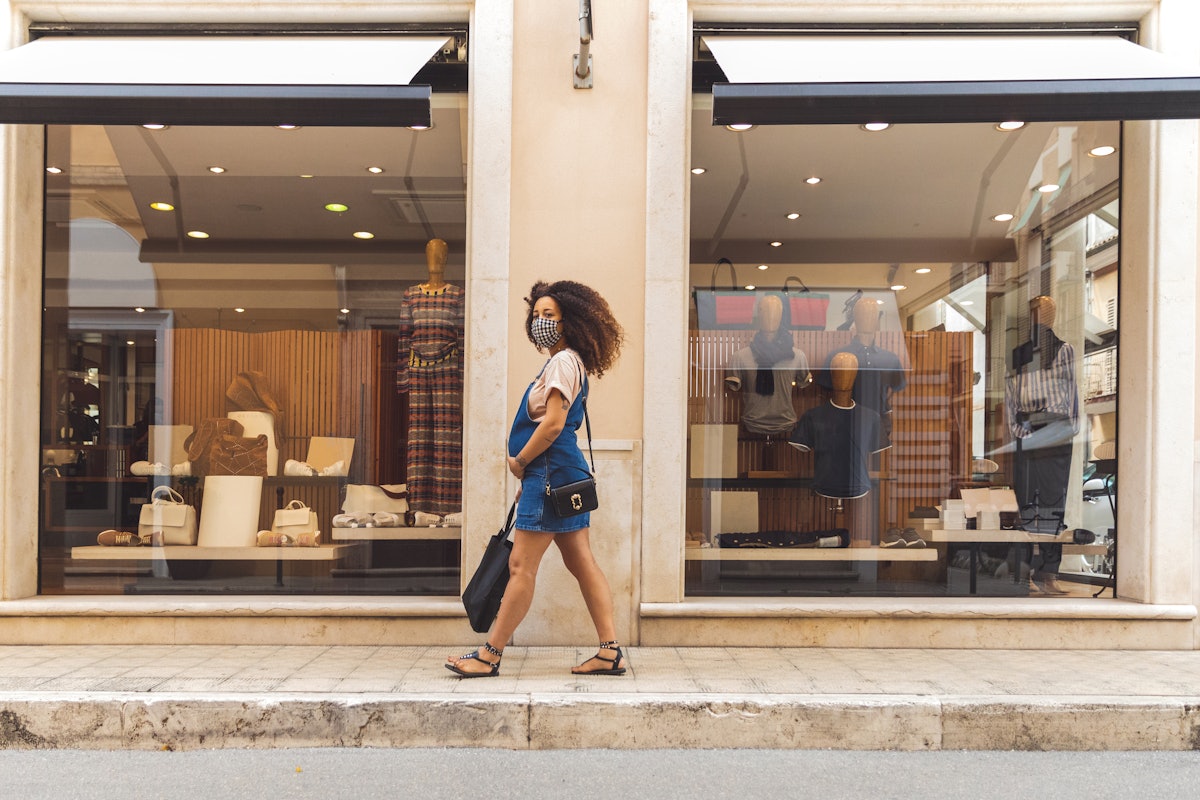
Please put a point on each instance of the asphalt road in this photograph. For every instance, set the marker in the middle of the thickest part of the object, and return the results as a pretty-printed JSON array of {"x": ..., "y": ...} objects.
[{"x": 609, "y": 774}]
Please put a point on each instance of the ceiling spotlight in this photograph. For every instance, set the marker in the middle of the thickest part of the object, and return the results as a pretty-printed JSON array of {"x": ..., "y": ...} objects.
[
  {"x": 1047, "y": 188},
  {"x": 140, "y": 310},
  {"x": 240, "y": 310},
  {"x": 763, "y": 266},
  {"x": 344, "y": 310},
  {"x": 130, "y": 342},
  {"x": 876, "y": 126},
  {"x": 737, "y": 127},
  {"x": 375, "y": 170},
  {"x": 794, "y": 215},
  {"x": 750, "y": 287},
  {"x": 898, "y": 287},
  {"x": 1012, "y": 125},
  {"x": 878, "y": 302},
  {"x": 197, "y": 234},
  {"x": 363, "y": 235},
  {"x": 155, "y": 126},
  {"x": 54, "y": 170},
  {"x": 288, "y": 127},
  {"x": 813, "y": 181},
  {"x": 1098, "y": 152},
  {"x": 216, "y": 170},
  {"x": 337, "y": 208},
  {"x": 923, "y": 271},
  {"x": 1002, "y": 218},
  {"x": 306, "y": 176},
  {"x": 420, "y": 127},
  {"x": 776, "y": 244},
  {"x": 160, "y": 206},
  {"x": 698, "y": 170}
]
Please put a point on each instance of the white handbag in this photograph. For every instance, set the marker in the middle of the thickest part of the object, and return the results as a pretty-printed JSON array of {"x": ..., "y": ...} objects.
[
  {"x": 294, "y": 519},
  {"x": 369, "y": 499},
  {"x": 168, "y": 513}
]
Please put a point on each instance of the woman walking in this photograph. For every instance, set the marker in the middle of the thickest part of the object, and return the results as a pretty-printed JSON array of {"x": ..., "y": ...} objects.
[{"x": 574, "y": 324}]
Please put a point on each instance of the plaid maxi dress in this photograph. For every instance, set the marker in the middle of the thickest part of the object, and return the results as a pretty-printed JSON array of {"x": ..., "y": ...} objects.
[{"x": 429, "y": 367}]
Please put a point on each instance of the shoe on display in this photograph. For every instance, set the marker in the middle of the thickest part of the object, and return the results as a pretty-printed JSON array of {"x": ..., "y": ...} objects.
[
  {"x": 912, "y": 538},
  {"x": 1046, "y": 584},
  {"x": 841, "y": 539},
  {"x": 111, "y": 538},
  {"x": 894, "y": 537}
]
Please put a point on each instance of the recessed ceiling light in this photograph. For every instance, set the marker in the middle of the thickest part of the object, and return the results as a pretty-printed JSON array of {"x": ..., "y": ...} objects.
[
  {"x": 344, "y": 310},
  {"x": 240, "y": 310},
  {"x": 140, "y": 310},
  {"x": 363, "y": 235},
  {"x": 306, "y": 176},
  {"x": 1011, "y": 125},
  {"x": 1002, "y": 218},
  {"x": 813, "y": 181},
  {"x": 288, "y": 127},
  {"x": 54, "y": 170},
  {"x": 155, "y": 126},
  {"x": 216, "y": 170},
  {"x": 698, "y": 170},
  {"x": 1047, "y": 188},
  {"x": 129, "y": 342},
  {"x": 967, "y": 303},
  {"x": 794, "y": 215},
  {"x": 161, "y": 206},
  {"x": 776, "y": 244},
  {"x": 197, "y": 234},
  {"x": 738, "y": 127},
  {"x": 878, "y": 302},
  {"x": 898, "y": 287},
  {"x": 1102, "y": 151},
  {"x": 375, "y": 170},
  {"x": 923, "y": 271},
  {"x": 763, "y": 266},
  {"x": 750, "y": 287},
  {"x": 337, "y": 207},
  {"x": 420, "y": 127},
  {"x": 874, "y": 127}
]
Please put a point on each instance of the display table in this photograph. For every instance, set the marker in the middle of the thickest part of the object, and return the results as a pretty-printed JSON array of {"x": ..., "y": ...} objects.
[
  {"x": 325, "y": 552},
  {"x": 810, "y": 554},
  {"x": 975, "y": 539},
  {"x": 396, "y": 534}
]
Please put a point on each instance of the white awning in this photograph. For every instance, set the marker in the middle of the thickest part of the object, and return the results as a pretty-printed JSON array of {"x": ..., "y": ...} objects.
[
  {"x": 948, "y": 78},
  {"x": 303, "y": 80}
]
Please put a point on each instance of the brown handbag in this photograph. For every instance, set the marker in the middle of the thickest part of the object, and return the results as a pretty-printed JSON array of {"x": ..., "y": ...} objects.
[
  {"x": 238, "y": 455},
  {"x": 199, "y": 444}
]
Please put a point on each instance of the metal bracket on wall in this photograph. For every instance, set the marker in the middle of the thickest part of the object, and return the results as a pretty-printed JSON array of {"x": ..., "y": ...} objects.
[{"x": 581, "y": 75}]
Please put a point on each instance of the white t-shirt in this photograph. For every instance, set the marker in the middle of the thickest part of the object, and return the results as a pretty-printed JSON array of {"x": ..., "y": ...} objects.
[
  {"x": 773, "y": 413},
  {"x": 564, "y": 371}
]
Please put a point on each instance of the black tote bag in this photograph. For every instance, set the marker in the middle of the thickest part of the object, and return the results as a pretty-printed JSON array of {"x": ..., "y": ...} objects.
[{"x": 482, "y": 596}]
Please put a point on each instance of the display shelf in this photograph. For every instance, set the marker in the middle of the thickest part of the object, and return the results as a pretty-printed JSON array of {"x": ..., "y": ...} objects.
[
  {"x": 810, "y": 554},
  {"x": 997, "y": 536},
  {"x": 396, "y": 534},
  {"x": 325, "y": 552}
]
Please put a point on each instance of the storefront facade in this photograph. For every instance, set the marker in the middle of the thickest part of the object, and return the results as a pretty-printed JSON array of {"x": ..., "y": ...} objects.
[{"x": 549, "y": 186}]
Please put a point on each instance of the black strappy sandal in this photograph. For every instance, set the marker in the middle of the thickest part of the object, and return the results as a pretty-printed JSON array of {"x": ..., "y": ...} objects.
[
  {"x": 614, "y": 669},
  {"x": 495, "y": 665}
]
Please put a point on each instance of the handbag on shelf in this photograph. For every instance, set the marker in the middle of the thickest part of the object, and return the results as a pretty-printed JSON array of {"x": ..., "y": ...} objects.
[
  {"x": 807, "y": 309},
  {"x": 368, "y": 499},
  {"x": 576, "y": 497},
  {"x": 199, "y": 444},
  {"x": 483, "y": 594},
  {"x": 733, "y": 308},
  {"x": 294, "y": 519},
  {"x": 238, "y": 455},
  {"x": 169, "y": 515}
]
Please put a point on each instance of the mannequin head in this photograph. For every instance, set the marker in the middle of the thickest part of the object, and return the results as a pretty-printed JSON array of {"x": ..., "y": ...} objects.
[
  {"x": 1042, "y": 311},
  {"x": 843, "y": 370},
  {"x": 769, "y": 313},
  {"x": 435, "y": 258},
  {"x": 866, "y": 317}
]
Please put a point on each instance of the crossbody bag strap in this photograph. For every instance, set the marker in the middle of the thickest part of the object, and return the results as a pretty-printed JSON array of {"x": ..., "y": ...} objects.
[{"x": 587, "y": 421}]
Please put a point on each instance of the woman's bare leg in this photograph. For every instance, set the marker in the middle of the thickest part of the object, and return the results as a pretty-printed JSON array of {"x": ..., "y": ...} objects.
[
  {"x": 527, "y": 552},
  {"x": 576, "y": 550}
]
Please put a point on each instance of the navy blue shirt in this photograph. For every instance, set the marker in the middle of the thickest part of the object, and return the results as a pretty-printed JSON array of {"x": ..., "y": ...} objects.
[
  {"x": 842, "y": 440},
  {"x": 879, "y": 374}
]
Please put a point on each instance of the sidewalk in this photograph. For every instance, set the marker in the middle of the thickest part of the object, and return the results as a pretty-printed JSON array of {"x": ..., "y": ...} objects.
[{"x": 199, "y": 696}]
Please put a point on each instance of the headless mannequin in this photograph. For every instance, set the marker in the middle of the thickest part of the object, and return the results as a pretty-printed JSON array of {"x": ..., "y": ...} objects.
[
  {"x": 767, "y": 372},
  {"x": 866, "y": 320},
  {"x": 435, "y": 257},
  {"x": 843, "y": 371},
  {"x": 770, "y": 314}
]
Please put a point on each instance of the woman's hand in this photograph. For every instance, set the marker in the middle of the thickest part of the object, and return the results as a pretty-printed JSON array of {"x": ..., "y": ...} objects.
[{"x": 515, "y": 468}]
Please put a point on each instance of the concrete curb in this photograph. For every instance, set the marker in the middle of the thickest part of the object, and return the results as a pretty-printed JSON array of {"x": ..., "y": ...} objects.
[{"x": 111, "y": 721}]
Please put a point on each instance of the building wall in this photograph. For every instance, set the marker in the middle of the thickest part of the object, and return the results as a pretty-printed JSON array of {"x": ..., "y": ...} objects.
[{"x": 592, "y": 185}]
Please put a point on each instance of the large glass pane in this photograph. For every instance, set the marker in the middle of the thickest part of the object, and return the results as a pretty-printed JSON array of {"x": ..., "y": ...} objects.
[
  {"x": 238, "y": 318},
  {"x": 902, "y": 356}
]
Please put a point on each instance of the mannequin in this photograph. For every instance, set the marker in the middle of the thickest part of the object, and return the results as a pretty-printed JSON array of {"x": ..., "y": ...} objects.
[
  {"x": 842, "y": 434},
  {"x": 429, "y": 368},
  {"x": 1041, "y": 399},
  {"x": 769, "y": 371},
  {"x": 880, "y": 373}
]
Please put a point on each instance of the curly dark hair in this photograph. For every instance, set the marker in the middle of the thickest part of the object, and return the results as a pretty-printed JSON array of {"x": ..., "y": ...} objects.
[{"x": 589, "y": 326}]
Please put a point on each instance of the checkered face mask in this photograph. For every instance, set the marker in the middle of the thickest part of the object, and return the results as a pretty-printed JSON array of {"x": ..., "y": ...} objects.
[{"x": 545, "y": 332}]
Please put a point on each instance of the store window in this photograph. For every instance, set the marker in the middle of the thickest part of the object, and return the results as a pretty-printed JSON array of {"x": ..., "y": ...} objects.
[
  {"x": 902, "y": 359},
  {"x": 253, "y": 349}
]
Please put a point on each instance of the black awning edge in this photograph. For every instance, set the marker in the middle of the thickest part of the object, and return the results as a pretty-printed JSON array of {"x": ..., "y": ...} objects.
[
  {"x": 188, "y": 104},
  {"x": 956, "y": 101}
]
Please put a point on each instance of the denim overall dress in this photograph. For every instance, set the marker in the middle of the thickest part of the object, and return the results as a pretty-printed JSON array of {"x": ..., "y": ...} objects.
[{"x": 561, "y": 463}]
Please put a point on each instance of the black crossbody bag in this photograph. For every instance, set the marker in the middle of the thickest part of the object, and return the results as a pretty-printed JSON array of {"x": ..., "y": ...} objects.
[{"x": 577, "y": 497}]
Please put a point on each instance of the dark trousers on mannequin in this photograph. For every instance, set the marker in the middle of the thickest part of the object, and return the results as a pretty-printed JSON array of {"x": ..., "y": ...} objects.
[{"x": 1043, "y": 472}]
